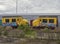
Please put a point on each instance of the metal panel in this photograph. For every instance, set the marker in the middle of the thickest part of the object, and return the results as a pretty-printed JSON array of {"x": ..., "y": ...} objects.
[
  {"x": 0, "y": 22},
  {"x": 59, "y": 21}
]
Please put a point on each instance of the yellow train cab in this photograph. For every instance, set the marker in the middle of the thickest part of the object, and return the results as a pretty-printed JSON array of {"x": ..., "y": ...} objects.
[
  {"x": 44, "y": 20},
  {"x": 14, "y": 20}
]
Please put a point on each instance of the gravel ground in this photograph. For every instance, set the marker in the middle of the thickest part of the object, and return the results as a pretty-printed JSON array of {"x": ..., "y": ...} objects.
[{"x": 26, "y": 41}]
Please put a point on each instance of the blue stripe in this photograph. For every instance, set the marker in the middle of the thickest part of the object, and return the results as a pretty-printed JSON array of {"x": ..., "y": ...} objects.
[{"x": 10, "y": 24}]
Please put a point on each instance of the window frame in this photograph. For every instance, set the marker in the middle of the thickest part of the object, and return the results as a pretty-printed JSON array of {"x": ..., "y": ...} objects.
[
  {"x": 13, "y": 20},
  {"x": 45, "y": 21},
  {"x": 7, "y": 20},
  {"x": 51, "y": 21}
]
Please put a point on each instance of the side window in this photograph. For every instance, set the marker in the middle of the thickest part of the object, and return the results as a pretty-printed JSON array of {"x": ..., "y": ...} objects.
[
  {"x": 7, "y": 20},
  {"x": 51, "y": 20},
  {"x": 13, "y": 20},
  {"x": 44, "y": 20}
]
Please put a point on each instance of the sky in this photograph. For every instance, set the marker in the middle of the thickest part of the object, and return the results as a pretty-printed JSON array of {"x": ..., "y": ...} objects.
[
  {"x": 7, "y": 6},
  {"x": 29, "y": 6}
]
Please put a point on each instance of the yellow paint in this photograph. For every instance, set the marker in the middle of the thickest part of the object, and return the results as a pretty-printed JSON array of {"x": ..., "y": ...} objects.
[
  {"x": 10, "y": 19},
  {"x": 36, "y": 22},
  {"x": 3, "y": 20}
]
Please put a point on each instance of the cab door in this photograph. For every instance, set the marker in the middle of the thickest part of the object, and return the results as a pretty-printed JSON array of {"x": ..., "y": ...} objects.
[{"x": 17, "y": 21}]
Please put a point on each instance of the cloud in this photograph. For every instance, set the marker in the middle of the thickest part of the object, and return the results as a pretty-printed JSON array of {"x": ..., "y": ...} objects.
[
  {"x": 39, "y": 6},
  {"x": 7, "y": 6},
  {"x": 29, "y": 6},
  {"x": 2, "y": 7}
]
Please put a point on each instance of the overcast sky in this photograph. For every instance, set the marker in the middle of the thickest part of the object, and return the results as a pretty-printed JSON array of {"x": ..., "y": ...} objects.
[{"x": 29, "y": 6}]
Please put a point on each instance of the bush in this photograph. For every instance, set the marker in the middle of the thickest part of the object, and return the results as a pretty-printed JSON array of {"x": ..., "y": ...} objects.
[
  {"x": 0, "y": 33},
  {"x": 58, "y": 41},
  {"x": 1, "y": 30},
  {"x": 30, "y": 33},
  {"x": 23, "y": 27},
  {"x": 47, "y": 30},
  {"x": 5, "y": 33},
  {"x": 8, "y": 28}
]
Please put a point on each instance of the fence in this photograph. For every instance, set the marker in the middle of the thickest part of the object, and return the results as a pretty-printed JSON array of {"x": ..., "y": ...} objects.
[{"x": 49, "y": 35}]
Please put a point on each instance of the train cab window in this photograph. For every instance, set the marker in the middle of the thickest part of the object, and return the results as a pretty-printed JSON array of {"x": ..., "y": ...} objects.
[
  {"x": 51, "y": 20},
  {"x": 44, "y": 20},
  {"x": 13, "y": 20},
  {"x": 7, "y": 20},
  {"x": 40, "y": 19}
]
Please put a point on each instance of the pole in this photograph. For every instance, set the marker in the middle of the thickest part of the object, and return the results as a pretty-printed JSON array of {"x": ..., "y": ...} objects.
[{"x": 16, "y": 6}]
